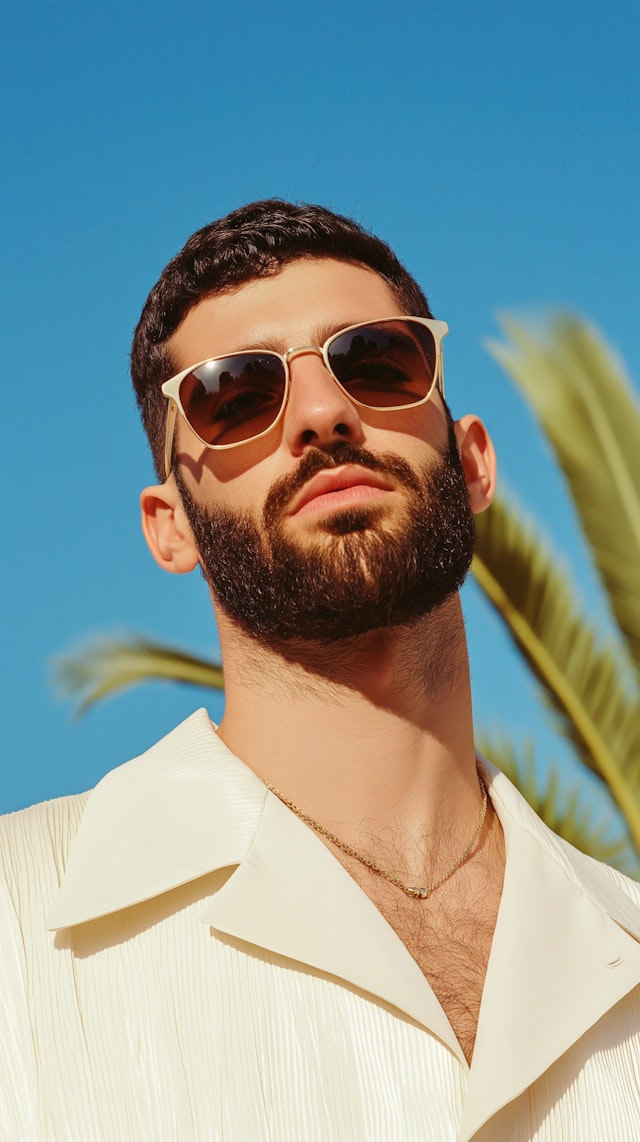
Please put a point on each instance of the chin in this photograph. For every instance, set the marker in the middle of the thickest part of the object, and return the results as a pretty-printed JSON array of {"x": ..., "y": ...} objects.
[{"x": 356, "y": 519}]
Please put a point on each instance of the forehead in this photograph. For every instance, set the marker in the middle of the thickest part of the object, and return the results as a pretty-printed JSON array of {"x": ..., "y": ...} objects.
[{"x": 302, "y": 304}]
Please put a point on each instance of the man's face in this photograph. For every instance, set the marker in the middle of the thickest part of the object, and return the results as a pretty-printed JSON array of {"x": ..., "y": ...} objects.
[{"x": 342, "y": 519}]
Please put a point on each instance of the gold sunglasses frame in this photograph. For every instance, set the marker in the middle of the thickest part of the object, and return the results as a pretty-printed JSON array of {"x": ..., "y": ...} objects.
[{"x": 171, "y": 388}]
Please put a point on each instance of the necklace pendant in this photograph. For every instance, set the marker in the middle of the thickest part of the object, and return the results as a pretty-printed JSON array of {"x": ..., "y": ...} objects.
[{"x": 418, "y": 893}]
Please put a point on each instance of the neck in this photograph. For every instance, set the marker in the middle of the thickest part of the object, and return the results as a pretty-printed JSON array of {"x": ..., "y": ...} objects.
[{"x": 375, "y": 729}]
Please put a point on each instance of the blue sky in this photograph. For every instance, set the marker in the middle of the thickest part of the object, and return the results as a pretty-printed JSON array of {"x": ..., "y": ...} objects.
[{"x": 494, "y": 145}]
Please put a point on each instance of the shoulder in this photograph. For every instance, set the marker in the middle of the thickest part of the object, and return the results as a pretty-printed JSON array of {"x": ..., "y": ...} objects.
[
  {"x": 130, "y": 802},
  {"x": 43, "y": 833},
  {"x": 35, "y": 843},
  {"x": 601, "y": 876},
  {"x": 608, "y": 888},
  {"x": 600, "y": 880}
]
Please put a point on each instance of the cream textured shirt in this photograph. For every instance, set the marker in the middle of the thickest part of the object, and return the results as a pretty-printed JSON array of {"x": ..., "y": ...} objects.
[{"x": 182, "y": 959}]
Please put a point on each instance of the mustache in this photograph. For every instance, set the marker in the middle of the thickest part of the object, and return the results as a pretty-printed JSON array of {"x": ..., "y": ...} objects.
[{"x": 319, "y": 459}]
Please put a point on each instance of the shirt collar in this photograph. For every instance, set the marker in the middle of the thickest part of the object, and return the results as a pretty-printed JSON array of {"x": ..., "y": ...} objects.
[
  {"x": 189, "y": 806},
  {"x": 565, "y": 949},
  {"x": 185, "y": 808}
]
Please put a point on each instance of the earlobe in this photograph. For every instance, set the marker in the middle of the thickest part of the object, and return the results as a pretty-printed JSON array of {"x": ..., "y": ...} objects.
[
  {"x": 166, "y": 529},
  {"x": 478, "y": 461}
]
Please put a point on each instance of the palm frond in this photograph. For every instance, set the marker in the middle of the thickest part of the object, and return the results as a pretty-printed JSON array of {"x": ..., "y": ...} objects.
[
  {"x": 563, "y": 805},
  {"x": 106, "y": 665},
  {"x": 581, "y": 678},
  {"x": 591, "y": 417}
]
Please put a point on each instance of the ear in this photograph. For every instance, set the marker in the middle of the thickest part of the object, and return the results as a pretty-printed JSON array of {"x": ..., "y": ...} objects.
[
  {"x": 478, "y": 461},
  {"x": 166, "y": 529}
]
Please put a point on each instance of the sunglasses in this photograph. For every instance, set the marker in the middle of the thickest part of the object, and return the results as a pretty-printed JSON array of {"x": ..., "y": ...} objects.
[{"x": 227, "y": 401}]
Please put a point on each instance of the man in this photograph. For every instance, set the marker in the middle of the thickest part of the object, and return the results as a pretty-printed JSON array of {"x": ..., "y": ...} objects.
[{"x": 326, "y": 919}]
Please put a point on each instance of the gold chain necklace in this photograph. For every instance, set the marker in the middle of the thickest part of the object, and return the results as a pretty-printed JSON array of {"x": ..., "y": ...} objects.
[{"x": 410, "y": 890}]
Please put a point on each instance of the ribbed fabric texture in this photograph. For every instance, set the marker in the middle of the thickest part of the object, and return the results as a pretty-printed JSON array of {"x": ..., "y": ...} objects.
[{"x": 147, "y": 1026}]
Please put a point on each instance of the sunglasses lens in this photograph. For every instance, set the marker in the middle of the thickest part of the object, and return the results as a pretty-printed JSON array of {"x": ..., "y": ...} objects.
[
  {"x": 233, "y": 399},
  {"x": 389, "y": 364}
]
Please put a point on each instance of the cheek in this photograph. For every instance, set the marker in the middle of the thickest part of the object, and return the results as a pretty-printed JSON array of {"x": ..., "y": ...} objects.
[
  {"x": 417, "y": 433},
  {"x": 234, "y": 478},
  {"x": 429, "y": 422},
  {"x": 242, "y": 493}
]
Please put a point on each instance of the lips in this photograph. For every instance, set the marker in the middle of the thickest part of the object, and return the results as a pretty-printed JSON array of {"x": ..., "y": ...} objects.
[{"x": 322, "y": 490}]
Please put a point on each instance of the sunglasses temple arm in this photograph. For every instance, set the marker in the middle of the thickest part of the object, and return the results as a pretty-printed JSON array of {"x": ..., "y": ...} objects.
[
  {"x": 440, "y": 382},
  {"x": 168, "y": 438}
]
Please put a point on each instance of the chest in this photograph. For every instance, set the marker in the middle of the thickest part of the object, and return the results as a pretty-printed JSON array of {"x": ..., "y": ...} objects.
[
  {"x": 449, "y": 935},
  {"x": 451, "y": 946}
]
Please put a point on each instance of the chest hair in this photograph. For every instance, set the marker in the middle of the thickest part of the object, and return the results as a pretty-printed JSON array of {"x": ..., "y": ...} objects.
[{"x": 449, "y": 935}]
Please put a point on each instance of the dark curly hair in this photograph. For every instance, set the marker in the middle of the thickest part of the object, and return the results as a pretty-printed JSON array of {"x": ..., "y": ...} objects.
[{"x": 252, "y": 242}]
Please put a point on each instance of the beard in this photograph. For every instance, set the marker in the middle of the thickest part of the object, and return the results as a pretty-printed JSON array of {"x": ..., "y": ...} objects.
[{"x": 361, "y": 573}]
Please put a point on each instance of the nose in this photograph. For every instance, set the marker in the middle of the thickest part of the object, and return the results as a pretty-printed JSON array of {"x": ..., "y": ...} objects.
[{"x": 318, "y": 411}]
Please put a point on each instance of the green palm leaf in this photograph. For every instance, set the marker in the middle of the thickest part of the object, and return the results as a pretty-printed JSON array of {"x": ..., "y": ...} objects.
[
  {"x": 591, "y": 416},
  {"x": 561, "y": 805},
  {"x": 106, "y": 665},
  {"x": 581, "y": 678}
]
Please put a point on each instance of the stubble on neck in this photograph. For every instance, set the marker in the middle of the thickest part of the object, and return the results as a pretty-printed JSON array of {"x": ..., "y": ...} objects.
[{"x": 412, "y": 672}]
